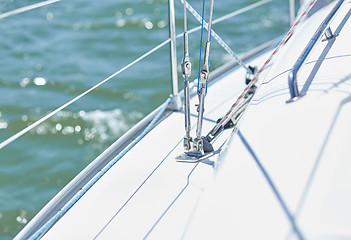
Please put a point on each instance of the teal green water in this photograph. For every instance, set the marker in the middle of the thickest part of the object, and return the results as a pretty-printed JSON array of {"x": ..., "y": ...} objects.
[{"x": 52, "y": 54}]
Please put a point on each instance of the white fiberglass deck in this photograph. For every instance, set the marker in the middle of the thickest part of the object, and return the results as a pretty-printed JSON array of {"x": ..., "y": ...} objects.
[
  {"x": 148, "y": 187},
  {"x": 303, "y": 146}
]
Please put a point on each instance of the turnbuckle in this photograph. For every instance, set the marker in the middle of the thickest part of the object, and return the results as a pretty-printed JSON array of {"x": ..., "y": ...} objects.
[
  {"x": 200, "y": 145},
  {"x": 186, "y": 69}
]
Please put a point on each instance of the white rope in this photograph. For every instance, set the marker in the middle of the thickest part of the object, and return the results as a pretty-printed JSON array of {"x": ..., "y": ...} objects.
[
  {"x": 30, "y": 127},
  {"x": 27, "y": 8}
]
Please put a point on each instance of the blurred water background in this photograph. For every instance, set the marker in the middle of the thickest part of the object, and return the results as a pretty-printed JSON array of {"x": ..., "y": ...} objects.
[{"x": 52, "y": 54}]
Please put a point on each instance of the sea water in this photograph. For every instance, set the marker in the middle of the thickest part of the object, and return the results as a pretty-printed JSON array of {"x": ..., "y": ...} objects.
[{"x": 50, "y": 55}]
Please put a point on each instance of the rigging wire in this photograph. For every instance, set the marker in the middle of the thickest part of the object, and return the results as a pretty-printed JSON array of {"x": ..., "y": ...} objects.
[
  {"x": 207, "y": 52},
  {"x": 210, "y": 23},
  {"x": 185, "y": 20},
  {"x": 200, "y": 145},
  {"x": 223, "y": 18},
  {"x": 215, "y": 35},
  {"x": 35, "y": 124},
  {"x": 186, "y": 68},
  {"x": 227, "y": 117},
  {"x": 27, "y": 8},
  {"x": 192, "y": 10},
  {"x": 202, "y": 31}
]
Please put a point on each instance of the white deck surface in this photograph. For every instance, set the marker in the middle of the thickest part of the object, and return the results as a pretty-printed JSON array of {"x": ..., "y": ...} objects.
[
  {"x": 148, "y": 189},
  {"x": 304, "y": 146}
]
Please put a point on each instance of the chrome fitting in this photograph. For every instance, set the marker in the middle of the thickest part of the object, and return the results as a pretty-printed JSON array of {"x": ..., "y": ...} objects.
[
  {"x": 187, "y": 143},
  {"x": 198, "y": 147}
]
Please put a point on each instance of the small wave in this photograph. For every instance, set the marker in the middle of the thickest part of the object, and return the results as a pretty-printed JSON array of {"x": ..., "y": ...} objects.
[
  {"x": 107, "y": 123},
  {"x": 101, "y": 126}
]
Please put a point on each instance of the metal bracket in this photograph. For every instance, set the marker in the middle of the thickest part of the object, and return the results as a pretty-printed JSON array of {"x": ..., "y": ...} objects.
[
  {"x": 187, "y": 143},
  {"x": 198, "y": 147},
  {"x": 328, "y": 34},
  {"x": 250, "y": 74},
  {"x": 201, "y": 147},
  {"x": 323, "y": 28}
]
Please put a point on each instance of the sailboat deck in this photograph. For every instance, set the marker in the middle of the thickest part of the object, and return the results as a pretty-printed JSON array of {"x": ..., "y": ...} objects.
[
  {"x": 300, "y": 150},
  {"x": 152, "y": 187},
  {"x": 282, "y": 173}
]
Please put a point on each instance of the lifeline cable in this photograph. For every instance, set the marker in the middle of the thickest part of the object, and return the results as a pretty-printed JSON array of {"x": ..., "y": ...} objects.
[
  {"x": 35, "y": 124},
  {"x": 220, "y": 126},
  {"x": 27, "y": 8}
]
